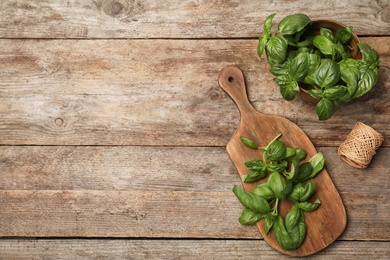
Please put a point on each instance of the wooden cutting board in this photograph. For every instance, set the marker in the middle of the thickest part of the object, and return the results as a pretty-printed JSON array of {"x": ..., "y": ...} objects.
[{"x": 325, "y": 224}]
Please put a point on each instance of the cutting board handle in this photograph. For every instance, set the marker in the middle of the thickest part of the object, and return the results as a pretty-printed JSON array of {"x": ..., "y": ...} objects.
[{"x": 231, "y": 80}]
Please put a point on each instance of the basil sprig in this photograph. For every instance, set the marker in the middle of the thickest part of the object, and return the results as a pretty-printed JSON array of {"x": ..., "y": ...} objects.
[{"x": 287, "y": 180}]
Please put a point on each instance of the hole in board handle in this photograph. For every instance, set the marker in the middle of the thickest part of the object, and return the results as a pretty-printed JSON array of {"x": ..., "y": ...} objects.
[{"x": 231, "y": 79}]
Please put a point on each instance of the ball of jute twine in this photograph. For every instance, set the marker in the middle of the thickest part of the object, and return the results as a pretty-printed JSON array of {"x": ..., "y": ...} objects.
[{"x": 360, "y": 146}]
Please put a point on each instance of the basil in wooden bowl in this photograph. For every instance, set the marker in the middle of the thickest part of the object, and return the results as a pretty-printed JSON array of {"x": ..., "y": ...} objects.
[{"x": 322, "y": 58}]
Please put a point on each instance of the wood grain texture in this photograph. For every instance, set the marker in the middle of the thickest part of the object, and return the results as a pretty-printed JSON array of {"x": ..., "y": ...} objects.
[
  {"x": 177, "y": 249},
  {"x": 175, "y": 19},
  {"x": 126, "y": 191},
  {"x": 64, "y": 92}
]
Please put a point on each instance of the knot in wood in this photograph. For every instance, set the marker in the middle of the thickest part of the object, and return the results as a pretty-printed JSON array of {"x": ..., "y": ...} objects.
[
  {"x": 214, "y": 94},
  {"x": 118, "y": 8}
]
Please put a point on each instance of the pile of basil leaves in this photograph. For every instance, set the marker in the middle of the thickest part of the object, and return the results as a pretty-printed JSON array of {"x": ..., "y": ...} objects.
[
  {"x": 289, "y": 179},
  {"x": 321, "y": 61}
]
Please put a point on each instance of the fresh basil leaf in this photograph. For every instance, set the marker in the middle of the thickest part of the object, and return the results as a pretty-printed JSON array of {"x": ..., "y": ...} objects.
[
  {"x": 344, "y": 34},
  {"x": 263, "y": 39},
  {"x": 281, "y": 235},
  {"x": 369, "y": 54},
  {"x": 249, "y": 217},
  {"x": 325, "y": 108},
  {"x": 315, "y": 93},
  {"x": 300, "y": 153},
  {"x": 276, "y": 49},
  {"x": 292, "y": 218},
  {"x": 324, "y": 44},
  {"x": 290, "y": 152},
  {"x": 269, "y": 221},
  {"x": 298, "y": 233},
  {"x": 314, "y": 62},
  {"x": 248, "y": 142},
  {"x": 275, "y": 151},
  {"x": 336, "y": 92},
  {"x": 317, "y": 162},
  {"x": 278, "y": 184},
  {"x": 309, "y": 207},
  {"x": 251, "y": 201},
  {"x": 264, "y": 191},
  {"x": 293, "y": 23},
  {"x": 266, "y": 34},
  {"x": 279, "y": 69},
  {"x": 277, "y": 167},
  {"x": 254, "y": 176},
  {"x": 327, "y": 74},
  {"x": 299, "y": 66},
  {"x": 293, "y": 173},
  {"x": 288, "y": 241},
  {"x": 255, "y": 165},
  {"x": 350, "y": 74},
  {"x": 328, "y": 34},
  {"x": 368, "y": 79},
  {"x": 302, "y": 192},
  {"x": 288, "y": 93},
  {"x": 304, "y": 171}
]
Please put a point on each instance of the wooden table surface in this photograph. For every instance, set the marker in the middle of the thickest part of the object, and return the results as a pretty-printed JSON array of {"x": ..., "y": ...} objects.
[{"x": 113, "y": 129}]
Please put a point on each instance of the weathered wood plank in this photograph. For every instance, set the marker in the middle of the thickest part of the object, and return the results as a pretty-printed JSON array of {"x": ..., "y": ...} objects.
[
  {"x": 176, "y": 249},
  {"x": 126, "y": 191},
  {"x": 199, "y": 169},
  {"x": 140, "y": 214},
  {"x": 175, "y": 19},
  {"x": 154, "y": 92}
]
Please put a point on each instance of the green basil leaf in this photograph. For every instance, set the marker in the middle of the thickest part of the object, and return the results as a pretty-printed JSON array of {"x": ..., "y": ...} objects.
[
  {"x": 314, "y": 62},
  {"x": 298, "y": 233},
  {"x": 251, "y": 201},
  {"x": 266, "y": 34},
  {"x": 328, "y": 34},
  {"x": 254, "y": 176},
  {"x": 264, "y": 191},
  {"x": 350, "y": 74},
  {"x": 293, "y": 23},
  {"x": 277, "y": 183},
  {"x": 294, "y": 168},
  {"x": 309, "y": 207},
  {"x": 276, "y": 49},
  {"x": 269, "y": 221},
  {"x": 336, "y": 92},
  {"x": 279, "y": 69},
  {"x": 302, "y": 192},
  {"x": 292, "y": 218},
  {"x": 369, "y": 54},
  {"x": 325, "y": 108},
  {"x": 249, "y": 217},
  {"x": 290, "y": 152},
  {"x": 315, "y": 93},
  {"x": 324, "y": 44},
  {"x": 368, "y": 79},
  {"x": 277, "y": 167},
  {"x": 299, "y": 67},
  {"x": 344, "y": 35},
  {"x": 275, "y": 151},
  {"x": 288, "y": 93},
  {"x": 304, "y": 171},
  {"x": 308, "y": 42},
  {"x": 248, "y": 142},
  {"x": 282, "y": 236},
  {"x": 327, "y": 74},
  {"x": 318, "y": 163},
  {"x": 256, "y": 165},
  {"x": 300, "y": 153}
]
